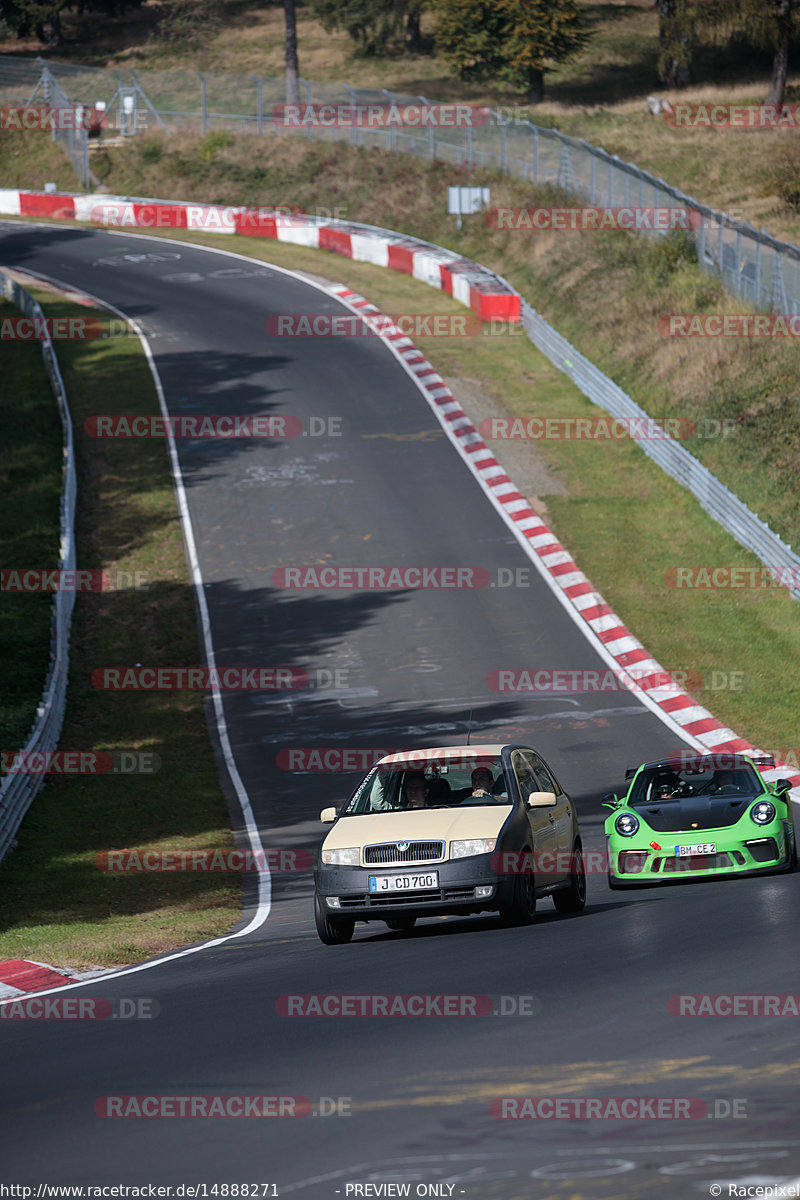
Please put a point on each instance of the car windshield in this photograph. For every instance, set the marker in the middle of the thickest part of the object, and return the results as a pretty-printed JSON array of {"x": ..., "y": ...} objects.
[
  {"x": 662, "y": 783},
  {"x": 462, "y": 782}
]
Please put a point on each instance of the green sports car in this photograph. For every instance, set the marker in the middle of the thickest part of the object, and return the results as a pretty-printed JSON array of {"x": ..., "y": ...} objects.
[{"x": 698, "y": 816}]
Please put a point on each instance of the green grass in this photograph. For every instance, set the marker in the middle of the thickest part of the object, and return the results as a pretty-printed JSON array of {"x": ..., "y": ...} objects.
[
  {"x": 55, "y": 904},
  {"x": 622, "y": 519},
  {"x": 30, "y": 479},
  {"x": 603, "y": 291}
]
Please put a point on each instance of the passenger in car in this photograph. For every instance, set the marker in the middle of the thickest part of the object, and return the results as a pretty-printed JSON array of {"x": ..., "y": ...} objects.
[{"x": 416, "y": 790}]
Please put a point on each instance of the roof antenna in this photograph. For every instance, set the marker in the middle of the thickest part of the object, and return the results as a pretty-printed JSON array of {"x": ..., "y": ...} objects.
[{"x": 469, "y": 726}]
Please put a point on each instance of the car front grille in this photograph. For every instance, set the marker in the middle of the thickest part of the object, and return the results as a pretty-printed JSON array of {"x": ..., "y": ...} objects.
[
  {"x": 459, "y": 893},
  {"x": 702, "y": 862},
  {"x": 363, "y": 900},
  {"x": 416, "y": 852}
]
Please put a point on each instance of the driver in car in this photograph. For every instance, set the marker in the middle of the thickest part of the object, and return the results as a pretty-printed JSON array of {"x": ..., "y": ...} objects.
[
  {"x": 665, "y": 785},
  {"x": 482, "y": 784}
]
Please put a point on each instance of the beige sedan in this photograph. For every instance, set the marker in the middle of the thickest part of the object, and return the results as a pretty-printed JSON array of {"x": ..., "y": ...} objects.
[{"x": 449, "y": 830}]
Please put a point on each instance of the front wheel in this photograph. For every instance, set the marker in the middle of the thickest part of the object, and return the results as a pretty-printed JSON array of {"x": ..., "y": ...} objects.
[
  {"x": 521, "y": 909},
  {"x": 573, "y": 898},
  {"x": 401, "y": 924},
  {"x": 332, "y": 931}
]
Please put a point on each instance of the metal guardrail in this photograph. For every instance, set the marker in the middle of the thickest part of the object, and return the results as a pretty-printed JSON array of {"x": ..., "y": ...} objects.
[
  {"x": 718, "y": 501},
  {"x": 17, "y": 791},
  {"x": 750, "y": 262}
]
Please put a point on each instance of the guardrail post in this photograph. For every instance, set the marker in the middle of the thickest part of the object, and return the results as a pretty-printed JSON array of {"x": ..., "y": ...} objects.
[
  {"x": 259, "y": 105},
  {"x": 203, "y": 105},
  {"x": 352, "y": 96},
  {"x": 307, "y": 86},
  {"x": 779, "y": 299},
  {"x": 83, "y": 136},
  {"x": 566, "y": 176},
  {"x": 700, "y": 241}
]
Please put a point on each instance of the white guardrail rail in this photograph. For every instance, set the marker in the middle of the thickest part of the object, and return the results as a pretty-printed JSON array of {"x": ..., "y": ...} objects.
[{"x": 18, "y": 790}]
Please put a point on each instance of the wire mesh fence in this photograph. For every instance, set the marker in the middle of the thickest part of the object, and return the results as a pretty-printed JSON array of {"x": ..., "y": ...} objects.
[{"x": 750, "y": 262}]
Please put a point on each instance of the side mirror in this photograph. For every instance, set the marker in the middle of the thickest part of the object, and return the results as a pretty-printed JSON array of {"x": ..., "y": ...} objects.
[
  {"x": 328, "y": 816},
  {"x": 541, "y": 800},
  {"x": 781, "y": 787},
  {"x": 610, "y": 800}
]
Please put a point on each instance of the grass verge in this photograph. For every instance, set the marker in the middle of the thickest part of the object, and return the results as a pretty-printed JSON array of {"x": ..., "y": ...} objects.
[
  {"x": 55, "y": 904},
  {"x": 623, "y": 520},
  {"x": 605, "y": 291}
]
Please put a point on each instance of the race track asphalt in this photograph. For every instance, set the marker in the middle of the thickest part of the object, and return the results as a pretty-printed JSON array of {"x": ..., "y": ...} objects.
[{"x": 586, "y": 997}]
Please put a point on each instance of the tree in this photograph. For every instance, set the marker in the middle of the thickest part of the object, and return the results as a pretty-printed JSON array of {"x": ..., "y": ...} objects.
[
  {"x": 676, "y": 37},
  {"x": 771, "y": 24},
  {"x": 43, "y": 17},
  {"x": 413, "y": 29},
  {"x": 512, "y": 42},
  {"x": 374, "y": 24},
  {"x": 782, "y": 32},
  {"x": 768, "y": 24},
  {"x": 39, "y": 17},
  {"x": 292, "y": 65}
]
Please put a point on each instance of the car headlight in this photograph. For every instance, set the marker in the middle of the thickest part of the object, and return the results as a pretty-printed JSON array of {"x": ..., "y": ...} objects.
[
  {"x": 763, "y": 812},
  {"x": 627, "y": 824},
  {"x": 471, "y": 846},
  {"x": 350, "y": 857}
]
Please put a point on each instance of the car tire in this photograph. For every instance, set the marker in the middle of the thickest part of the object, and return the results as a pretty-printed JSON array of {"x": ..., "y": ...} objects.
[
  {"x": 401, "y": 924},
  {"x": 572, "y": 899},
  {"x": 521, "y": 909},
  {"x": 332, "y": 932}
]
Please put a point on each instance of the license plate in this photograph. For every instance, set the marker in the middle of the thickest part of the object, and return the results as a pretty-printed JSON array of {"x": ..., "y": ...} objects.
[
  {"x": 403, "y": 883},
  {"x": 690, "y": 851}
]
